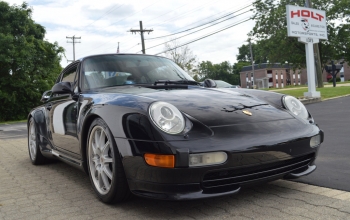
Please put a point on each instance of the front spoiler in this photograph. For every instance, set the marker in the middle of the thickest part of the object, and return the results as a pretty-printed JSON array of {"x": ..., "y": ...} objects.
[
  {"x": 309, "y": 170},
  {"x": 195, "y": 191}
]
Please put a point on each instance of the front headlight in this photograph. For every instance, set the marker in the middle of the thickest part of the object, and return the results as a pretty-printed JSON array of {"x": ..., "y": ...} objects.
[
  {"x": 295, "y": 106},
  {"x": 167, "y": 117}
]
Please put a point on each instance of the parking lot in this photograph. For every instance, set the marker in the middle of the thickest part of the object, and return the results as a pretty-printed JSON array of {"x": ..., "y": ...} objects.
[{"x": 58, "y": 191}]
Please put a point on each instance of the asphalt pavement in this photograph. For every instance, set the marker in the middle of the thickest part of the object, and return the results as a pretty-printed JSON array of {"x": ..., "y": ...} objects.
[
  {"x": 13, "y": 131},
  {"x": 333, "y": 161}
]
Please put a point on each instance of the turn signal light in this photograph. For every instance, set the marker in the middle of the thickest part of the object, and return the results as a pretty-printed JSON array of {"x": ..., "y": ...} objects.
[{"x": 158, "y": 160}]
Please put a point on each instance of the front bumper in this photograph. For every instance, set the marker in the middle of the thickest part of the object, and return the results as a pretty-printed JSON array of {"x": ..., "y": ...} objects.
[
  {"x": 223, "y": 182},
  {"x": 258, "y": 158}
]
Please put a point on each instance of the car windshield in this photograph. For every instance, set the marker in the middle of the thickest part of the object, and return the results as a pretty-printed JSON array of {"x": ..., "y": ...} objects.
[
  {"x": 118, "y": 70},
  {"x": 222, "y": 84}
]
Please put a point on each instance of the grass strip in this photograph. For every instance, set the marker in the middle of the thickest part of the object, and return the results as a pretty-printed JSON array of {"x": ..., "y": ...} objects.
[{"x": 326, "y": 93}]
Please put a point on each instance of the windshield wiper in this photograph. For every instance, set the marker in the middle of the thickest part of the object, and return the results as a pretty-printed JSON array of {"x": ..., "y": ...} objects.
[{"x": 168, "y": 82}]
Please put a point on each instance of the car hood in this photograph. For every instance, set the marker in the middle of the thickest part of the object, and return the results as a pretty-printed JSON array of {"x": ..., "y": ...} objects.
[{"x": 213, "y": 107}]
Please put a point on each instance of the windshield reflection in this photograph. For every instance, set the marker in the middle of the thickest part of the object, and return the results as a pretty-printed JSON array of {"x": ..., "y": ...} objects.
[{"x": 117, "y": 70}]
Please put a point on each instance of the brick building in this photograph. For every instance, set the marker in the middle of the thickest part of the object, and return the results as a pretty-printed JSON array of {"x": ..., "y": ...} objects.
[{"x": 278, "y": 76}]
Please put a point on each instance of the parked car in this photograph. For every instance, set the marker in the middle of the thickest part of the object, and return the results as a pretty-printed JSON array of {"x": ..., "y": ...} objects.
[
  {"x": 219, "y": 84},
  {"x": 223, "y": 84},
  {"x": 139, "y": 124}
]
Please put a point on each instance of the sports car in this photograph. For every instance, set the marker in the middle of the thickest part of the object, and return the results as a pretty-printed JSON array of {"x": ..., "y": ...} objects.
[{"x": 139, "y": 124}]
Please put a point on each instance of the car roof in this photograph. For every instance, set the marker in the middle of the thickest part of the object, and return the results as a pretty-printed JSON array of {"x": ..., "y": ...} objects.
[{"x": 121, "y": 54}]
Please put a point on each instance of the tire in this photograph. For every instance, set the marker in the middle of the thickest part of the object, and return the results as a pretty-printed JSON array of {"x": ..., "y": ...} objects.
[
  {"x": 104, "y": 164},
  {"x": 35, "y": 154}
]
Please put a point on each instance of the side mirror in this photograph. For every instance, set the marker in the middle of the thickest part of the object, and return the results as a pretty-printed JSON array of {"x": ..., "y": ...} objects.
[
  {"x": 209, "y": 83},
  {"x": 62, "y": 88},
  {"x": 46, "y": 95}
]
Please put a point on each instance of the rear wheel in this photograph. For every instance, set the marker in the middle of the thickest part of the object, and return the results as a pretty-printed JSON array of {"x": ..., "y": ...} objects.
[
  {"x": 104, "y": 163},
  {"x": 33, "y": 146}
]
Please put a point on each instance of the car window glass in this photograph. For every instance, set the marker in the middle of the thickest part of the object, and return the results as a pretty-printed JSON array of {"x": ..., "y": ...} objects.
[
  {"x": 222, "y": 84},
  {"x": 69, "y": 76},
  {"x": 117, "y": 70}
]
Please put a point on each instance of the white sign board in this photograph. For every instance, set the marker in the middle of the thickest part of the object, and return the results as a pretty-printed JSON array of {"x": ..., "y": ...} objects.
[{"x": 306, "y": 22}]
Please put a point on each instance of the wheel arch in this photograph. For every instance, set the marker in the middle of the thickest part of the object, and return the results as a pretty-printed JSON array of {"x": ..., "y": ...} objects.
[{"x": 83, "y": 138}]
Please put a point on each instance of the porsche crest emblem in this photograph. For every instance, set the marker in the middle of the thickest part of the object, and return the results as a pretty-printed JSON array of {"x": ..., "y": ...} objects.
[{"x": 247, "y": 112}]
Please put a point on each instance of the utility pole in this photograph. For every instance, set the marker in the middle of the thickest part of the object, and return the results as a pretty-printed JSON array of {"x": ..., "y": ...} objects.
[
  {"x": 118, "y": 48},
  {"x": 319, "y": 77},
  {"x": 74, "y": 42},
  {"x": 141, "y": 32},
  {"x": 251, "y": 57}
]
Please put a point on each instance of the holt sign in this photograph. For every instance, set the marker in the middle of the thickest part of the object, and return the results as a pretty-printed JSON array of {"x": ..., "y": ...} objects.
[{"x": 306, "y": 22}]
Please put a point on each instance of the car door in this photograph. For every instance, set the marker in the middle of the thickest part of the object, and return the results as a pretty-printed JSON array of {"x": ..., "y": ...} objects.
[{"x": 63, "y": 112}]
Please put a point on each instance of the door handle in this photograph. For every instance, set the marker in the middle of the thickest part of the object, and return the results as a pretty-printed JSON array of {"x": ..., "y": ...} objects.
[{"x": 49, "y": 107}]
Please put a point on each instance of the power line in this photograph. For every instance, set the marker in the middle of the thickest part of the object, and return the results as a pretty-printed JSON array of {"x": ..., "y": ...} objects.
[
  {"x": 207, "y": 18},
  {"x": 119, "y": 21},
  {"x": 197, "y": 30},
  {"x": 201, "y": 21},
  {"x": 203, "y": 24},
  {"x": 188, "y": 12},
  {"x": 204, "y": 36},
  {"x": 132, "y": 47},
  {"x": 108, "y": 12},
  {"x": 167, "y": 12},
  {"x": 135, "y": 13}
]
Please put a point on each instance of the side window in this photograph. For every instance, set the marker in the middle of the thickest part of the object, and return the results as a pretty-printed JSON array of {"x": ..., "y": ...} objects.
[{"x": 69, "y": 76}]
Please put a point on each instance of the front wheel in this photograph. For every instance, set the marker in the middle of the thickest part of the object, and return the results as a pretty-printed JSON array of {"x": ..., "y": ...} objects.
[
  {"x": 33, "y": 146},
  {"x": 104, "y": 163}
]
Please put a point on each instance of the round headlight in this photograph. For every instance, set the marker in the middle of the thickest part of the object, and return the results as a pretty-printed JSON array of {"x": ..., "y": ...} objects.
[
  {"x": 167, "y": 117},
  {"x": 295, "y": 106}
]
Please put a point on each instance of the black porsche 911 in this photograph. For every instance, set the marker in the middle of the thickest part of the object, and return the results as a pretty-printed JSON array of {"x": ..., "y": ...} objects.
[{"x": 139, "y": 124}]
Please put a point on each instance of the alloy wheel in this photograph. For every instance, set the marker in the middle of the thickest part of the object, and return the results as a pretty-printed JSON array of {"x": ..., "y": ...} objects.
[
  {"x": 100, "y": 160},
  {"x": 32, "y": 141}
]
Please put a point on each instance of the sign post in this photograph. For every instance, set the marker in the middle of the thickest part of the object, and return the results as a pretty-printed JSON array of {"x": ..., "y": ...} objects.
[{"x": 309, "y": 25}]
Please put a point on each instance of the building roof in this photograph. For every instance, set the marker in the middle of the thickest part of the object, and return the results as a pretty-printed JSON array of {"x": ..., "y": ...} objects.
[{"x": 266, "y": 66}]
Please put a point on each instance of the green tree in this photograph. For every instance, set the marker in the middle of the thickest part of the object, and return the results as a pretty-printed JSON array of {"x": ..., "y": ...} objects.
[
  {"x": 270, "y": 31},
  {"x": 237, "y": 67},
  {"x": 222, "y": 71},
  {"x": 259, "y": 55},
  {"x": 29, "y": 65}
]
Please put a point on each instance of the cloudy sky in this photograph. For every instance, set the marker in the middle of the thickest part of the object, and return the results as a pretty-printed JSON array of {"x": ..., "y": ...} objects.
[{"x": 102, "y": 24}]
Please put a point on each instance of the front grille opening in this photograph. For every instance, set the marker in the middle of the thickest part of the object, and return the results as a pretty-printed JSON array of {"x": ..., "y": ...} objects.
[{"x": 244, "y": 175}]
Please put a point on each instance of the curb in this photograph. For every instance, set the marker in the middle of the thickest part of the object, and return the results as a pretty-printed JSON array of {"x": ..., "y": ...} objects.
[
  {"x": 318, "y": 190},
  {"x": 306, "y": 101},
  {"x": 336, "y": 97}
]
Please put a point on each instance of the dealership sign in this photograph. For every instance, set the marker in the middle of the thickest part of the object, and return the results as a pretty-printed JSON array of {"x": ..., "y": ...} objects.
[
  {"x": 309, "y": 26},
  {"x": 306, "y": 22}
]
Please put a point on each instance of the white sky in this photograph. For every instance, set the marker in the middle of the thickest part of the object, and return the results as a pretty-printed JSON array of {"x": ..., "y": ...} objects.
[{"x": 102, "y": 24}]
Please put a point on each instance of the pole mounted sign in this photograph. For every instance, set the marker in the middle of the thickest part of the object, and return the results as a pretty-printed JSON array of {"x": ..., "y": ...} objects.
[{"x": 309, "y": 25}]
